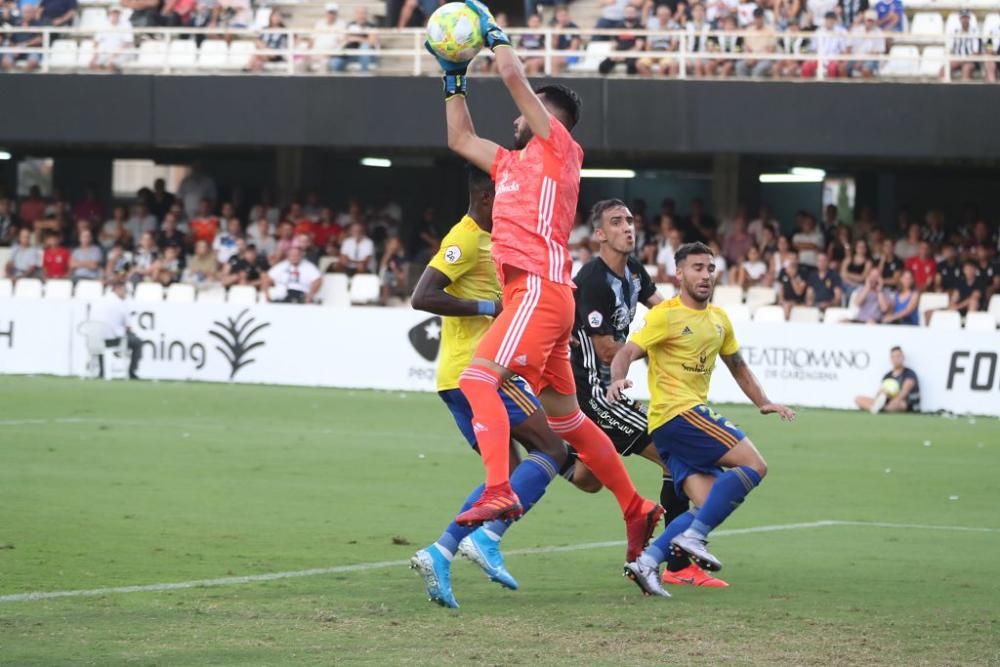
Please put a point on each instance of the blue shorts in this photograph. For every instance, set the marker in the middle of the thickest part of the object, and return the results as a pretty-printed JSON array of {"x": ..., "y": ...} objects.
[
  {"x": 517, "y": 398},
  {"x": 694, "y": 441}
]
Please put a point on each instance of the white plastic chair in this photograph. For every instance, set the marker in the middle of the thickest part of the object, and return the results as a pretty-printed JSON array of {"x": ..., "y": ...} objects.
[
  {"x": 88, "y": 289},
  {"x": 85, "y": 53},
  {"x": 653, "y": 270},
  {"x": 725, "y": 295},
  {"x": 180, "y": 293},
  {"x": 335, "y": 290},
  {"x": 837, "y": 315},
  {"x": 931, "y": 301},
  {"x": 28, "y": 288},
  {"x": 63, "y": 54},
  {"x": 240, "y": 52},
  {"x": 92, "y": 18},
  {"x": 979, "y": 322},
  {"x": 927, "y": 23},
  {"x": 904, "y": 60},
  {"x": 769, "y": 314},
  {"x": 182, "y": 54},
  {"x": 6, "y": 288},
  {"x": 325, "y": 262},
  {"x": 994, "y": 307},
  {"x": 807, "y": 314},
  {"x": 591, "y": 60},
  {"x": 932, "y": 61},
  {"x": 58, "y": 289},
  {"x": 114, "y": 358},
  {"x": 213, "y": 294},
  {"x": 242, "y": 294},
  {"x": 148, "y": 292},
  {"x": 667, "y": 290},
  {"x": 365, "y": 288},
  {"x": 760, "y": 296},
  {"x": 213, "y": 54},
  {"x": 948, "y": 320},
  {"x": 152, "y": 54},
  {"x": 737, "y": 312}
]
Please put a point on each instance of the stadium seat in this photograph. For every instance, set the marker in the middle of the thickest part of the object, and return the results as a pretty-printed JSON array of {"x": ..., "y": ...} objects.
[
  {"x": 760, "y": 296},
  {"x": 58, "y": 289},
  {"x": 152, "y": 55},
  {"x": 946, "y": 319},
  {"x": 325, "y": 263},
  {"x": 85, "y": 53},
  {"x": 28, "y": 288},
  {"x": 994, "y": 307},
  {"x": 365, "y": 288},
  {"x": 242, "y": 294},
  {"x": 595, "y": 53},
  {"x": 932, "y": 61},
  {"x": 927, "y": 23},
  {"x": 653, "y": 270},
  {"x": 261, "y": 18},
  {"x": 63, "y": 54},
  {"x": 92, "y": 18},
  {"x": 146, "y": 292},
  {"x": 991, "y": 23},
  {"x": 980, "y": 322},
  {"x": 667, "y": 290},
  {"x": 4, "y": 255},
  {"x": 213, "y": 294},
  {"x": 335, "y": 290},
  {"x": 88, "y": 289},
  {"x": 213, "y": 54},
  {"x": 769, "y": 314},
  {"x": 180, "y": 293},
  {"x": 836, "y": 315},
  {"x": 806, "y": 314},
  {"x": 6, "y": 288},
  {"x": 737, "y": 312},
  {"x": 953, "y": 23},
  {"x": 240, "y": 52},
  {"x": 931, "y": 301},
  {"x": 904, "y": 60},
  {"x": 182, "y": 54},
  {"x": 726, "y": 295}
]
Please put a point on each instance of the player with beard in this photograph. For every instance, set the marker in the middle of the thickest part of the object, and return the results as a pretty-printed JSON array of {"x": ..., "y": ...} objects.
[
  {"x": 711, "y": 461},
  {"x": 537, "y": 186},
  {"x": 608, "y": 289}
]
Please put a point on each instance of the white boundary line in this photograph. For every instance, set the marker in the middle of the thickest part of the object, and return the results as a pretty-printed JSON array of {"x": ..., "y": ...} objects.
[{"x": 379, "y": 565}]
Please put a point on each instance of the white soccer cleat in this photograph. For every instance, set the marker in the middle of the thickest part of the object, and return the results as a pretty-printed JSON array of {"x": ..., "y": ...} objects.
[
  {"x": 697, "y": 550},
  {"x": 646, "y": 577}
]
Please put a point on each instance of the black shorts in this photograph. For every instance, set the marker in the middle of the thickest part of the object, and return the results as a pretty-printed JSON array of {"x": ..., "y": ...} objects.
[{"x": 625, "y": 422}]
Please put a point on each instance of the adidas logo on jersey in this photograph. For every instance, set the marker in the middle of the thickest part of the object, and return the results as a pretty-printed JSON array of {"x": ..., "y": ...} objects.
[
  {"x": 687, "y": 332},
  {"x": 521, "y": 360},
  {"x": 478, "y": 427}
]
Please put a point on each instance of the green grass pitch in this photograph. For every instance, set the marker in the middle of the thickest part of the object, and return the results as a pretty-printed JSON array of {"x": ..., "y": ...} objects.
[{"x": 110, "y": 484}]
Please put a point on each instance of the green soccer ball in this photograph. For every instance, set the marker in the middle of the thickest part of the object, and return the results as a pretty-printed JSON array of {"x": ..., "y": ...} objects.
[
  {"x": 890, "y": 387},
  {"x": 453, "y": 32}
]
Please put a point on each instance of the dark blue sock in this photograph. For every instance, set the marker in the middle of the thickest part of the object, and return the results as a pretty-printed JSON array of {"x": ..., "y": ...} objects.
[
  {"x": 529, "y": 481},
  {"x": 454, "y": 533},
  {"x": 660, "y": 549},
  {"x": 728, "y": 492}
]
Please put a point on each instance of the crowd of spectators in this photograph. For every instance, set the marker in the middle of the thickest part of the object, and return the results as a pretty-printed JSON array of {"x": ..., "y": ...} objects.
[
  {"x": 829, "y": 261},
  {"x": 188, "y": 237}
]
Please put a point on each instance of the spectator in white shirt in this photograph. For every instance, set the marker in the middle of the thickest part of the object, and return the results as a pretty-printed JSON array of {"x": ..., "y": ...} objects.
[
  {"x": 25, "y": 257},
  {"x": 809, "y": 241},
  {"x": 356, "y": 251},
  {"x": 294, "y": 280},
  {"x": 111, "y": 42},
  {"x": 225, "y": 244},
  {"x": 667, "y": 267},
  {"x": 828, "y": 40},
  {"x": 329, "y": 35},
  {"x": 86, "y": 261},
  {"x": 867, "y": 40},
  {"x": 112, "y": 310}
]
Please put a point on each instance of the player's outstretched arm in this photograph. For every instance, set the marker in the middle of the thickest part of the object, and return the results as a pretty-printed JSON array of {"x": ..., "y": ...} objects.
[
  {"x": 752, "y": 388},
  {"x": 430, "y": 297},
  {"x": 462, "y": 137},
  {"x": 511, "y": 71},
  {"x": 629, "y": 353}
]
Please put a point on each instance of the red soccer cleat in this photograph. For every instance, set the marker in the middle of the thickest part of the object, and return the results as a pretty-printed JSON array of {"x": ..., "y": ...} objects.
[
  {"x": 639, "y": 528},
  {"x": 692, "y": 575},
  {"x": 502, "y": 504}
]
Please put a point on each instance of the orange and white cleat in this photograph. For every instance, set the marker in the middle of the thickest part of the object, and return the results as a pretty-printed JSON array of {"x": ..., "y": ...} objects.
[
  {"x": 639, "y": 528},
  {"x": 692, "y": 575},
  {"x": 502, "y": 504}
]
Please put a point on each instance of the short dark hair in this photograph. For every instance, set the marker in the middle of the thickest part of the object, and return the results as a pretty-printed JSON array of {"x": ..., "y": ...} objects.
[
  {"x": 896, "y": 348},
  {"x": 695, "y": 248},
  {"x": 478, "y": 179},
  {"x": 565, "y": 100},
  {"x": 598, "y": 210}
]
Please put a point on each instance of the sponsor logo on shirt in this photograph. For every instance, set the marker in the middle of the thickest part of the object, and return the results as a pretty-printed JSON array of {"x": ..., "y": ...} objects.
[{"x": 506, "y": 185}]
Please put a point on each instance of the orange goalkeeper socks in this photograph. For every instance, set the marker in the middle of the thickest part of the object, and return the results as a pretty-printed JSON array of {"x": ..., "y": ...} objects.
[{"x": 489, "y": 421}]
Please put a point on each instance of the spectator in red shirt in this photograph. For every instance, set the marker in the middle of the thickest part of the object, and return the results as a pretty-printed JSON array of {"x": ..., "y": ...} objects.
[
  {"x": 302, "y": 223},
  {"x": 55, "y": 258},
  {"x": 326, "y": 229},
  {"x": 90, "y": 207},
  {"x": 922, "y": 266},
  {"x": 32, "y": 208},
  {"x": 205, "y": 226}
]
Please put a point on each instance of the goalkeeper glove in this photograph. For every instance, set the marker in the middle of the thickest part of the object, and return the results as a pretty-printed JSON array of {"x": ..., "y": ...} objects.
[
  {"x": 454, "y": 74},
  {"x": 493, "y": 34}
]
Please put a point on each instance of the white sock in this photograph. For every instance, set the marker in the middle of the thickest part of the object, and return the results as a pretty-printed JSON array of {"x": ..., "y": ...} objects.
[
  {"x": 444, "y": 552},
  {"x": 691, "y": 532}
]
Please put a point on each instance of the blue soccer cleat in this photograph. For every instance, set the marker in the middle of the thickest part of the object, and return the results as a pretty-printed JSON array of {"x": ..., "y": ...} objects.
[
  {"x": 436, "y": 572},
  {"x": 484, "y": 551}
]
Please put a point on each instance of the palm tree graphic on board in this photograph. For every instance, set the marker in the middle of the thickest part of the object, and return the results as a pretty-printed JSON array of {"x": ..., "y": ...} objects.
[{"x": 237, "y": 338}]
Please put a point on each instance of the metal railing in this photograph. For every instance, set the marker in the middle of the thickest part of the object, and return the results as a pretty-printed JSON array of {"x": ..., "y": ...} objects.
[{"x": 299, "y": 56}]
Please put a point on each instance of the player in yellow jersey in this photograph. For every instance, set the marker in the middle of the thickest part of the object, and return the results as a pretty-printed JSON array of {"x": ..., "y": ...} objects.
[
  {"x": 711, "y": 460},
  {"x": 461, "y": 285}
]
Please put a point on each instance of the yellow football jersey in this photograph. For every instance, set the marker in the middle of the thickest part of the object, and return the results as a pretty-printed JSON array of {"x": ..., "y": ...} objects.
[
  {"x": 682, "y": 345},
  {"x": 465, "y": 258}
]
